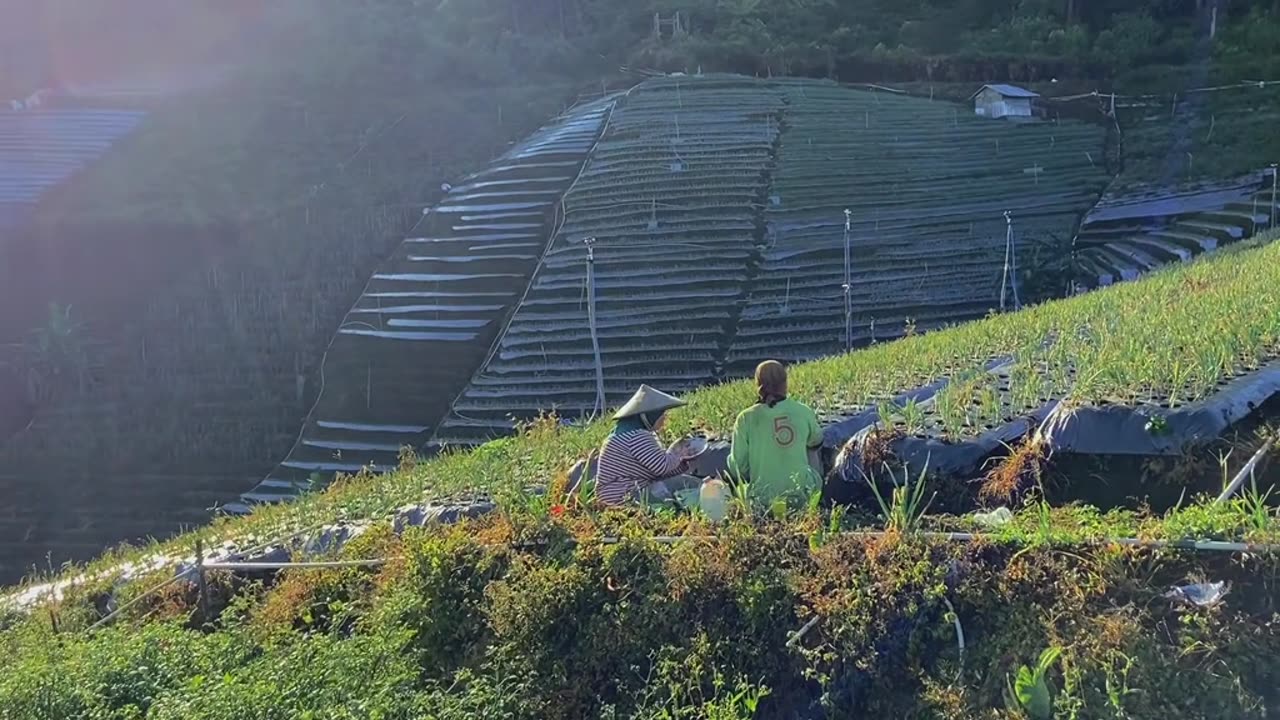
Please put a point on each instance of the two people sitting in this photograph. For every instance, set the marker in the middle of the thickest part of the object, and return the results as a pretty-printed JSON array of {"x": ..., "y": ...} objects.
[{"x": 771, "y": 444}]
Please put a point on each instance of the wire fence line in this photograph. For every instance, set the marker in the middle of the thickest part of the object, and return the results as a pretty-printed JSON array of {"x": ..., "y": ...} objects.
[{"x": 1242, "y": 85}]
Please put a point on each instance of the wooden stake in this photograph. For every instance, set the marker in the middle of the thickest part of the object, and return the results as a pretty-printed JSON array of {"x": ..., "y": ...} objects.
[{"x": 202, "y": 587}]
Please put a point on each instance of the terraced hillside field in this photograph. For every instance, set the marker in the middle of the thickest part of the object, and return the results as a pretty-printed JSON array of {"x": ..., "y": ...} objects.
[
  {"x": 671, "y": 197},
  {"x": 926, "y": 184},
  {"x": 717, "y": 209},
  {"x": 39, "y": 150},
  {"x": 430, "y": 312},
  {"x": 1194, "y": 178},
  {"x": 1137, "y": 228},
  {"x": 942, "y": 602}
]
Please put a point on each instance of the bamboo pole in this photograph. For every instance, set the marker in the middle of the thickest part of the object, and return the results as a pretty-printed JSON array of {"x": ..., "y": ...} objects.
[
  {"x": 202, "y": 585},
  {"x": 1246, "y": 471},
  {"x": 148, "y": 593}
]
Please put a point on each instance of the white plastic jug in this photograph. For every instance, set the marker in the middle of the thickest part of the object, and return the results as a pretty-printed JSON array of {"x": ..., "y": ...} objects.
[{"x": 713, "y": 497}]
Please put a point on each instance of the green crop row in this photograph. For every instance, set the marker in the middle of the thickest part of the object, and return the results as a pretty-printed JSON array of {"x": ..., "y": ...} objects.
[{"x": 1186, "y": 326}]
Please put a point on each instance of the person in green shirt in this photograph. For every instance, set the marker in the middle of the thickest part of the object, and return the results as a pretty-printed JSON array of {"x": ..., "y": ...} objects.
[{"x": 772, "y": 440}]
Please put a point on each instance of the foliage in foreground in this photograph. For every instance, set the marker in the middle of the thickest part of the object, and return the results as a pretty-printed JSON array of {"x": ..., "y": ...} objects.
[{"x": 464, "y": 622}]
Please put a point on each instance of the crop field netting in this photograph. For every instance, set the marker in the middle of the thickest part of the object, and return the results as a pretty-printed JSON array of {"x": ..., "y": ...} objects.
[
  {"x": 431, "y": 311},
  {"x": 1091, "y": 382},
  {"x": 1138, "y": 227},
  {"x": 716, "y": 207},
  {"x": 670, "y": 199},
  {"x": 926, "y": 185},
  {"x": 41, "y": 148}
]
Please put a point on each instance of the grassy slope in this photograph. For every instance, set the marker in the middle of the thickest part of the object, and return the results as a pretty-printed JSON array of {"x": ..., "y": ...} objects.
[
  {"x": 1226, "y": 133},
  {"x": 461, "y": 623},
  {"x": 1218, "y": 311},
  {"x": 1219, "y": 308}
]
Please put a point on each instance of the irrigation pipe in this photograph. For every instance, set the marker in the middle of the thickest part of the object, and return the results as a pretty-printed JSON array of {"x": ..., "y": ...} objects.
[
  {"x": 599, "y": 407},
  {"x": 1243, "y": 85},
  {"x": 337, "y": 564},
  {"x": 1196, "y": 545},
  {"x": 1008, "y": 242},
  {"x": 1246, "y": 471}
]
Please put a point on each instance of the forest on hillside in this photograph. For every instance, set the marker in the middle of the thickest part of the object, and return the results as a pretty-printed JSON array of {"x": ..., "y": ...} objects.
[
  {"x": 964, "y": 40},
  {"x": 485, "y": 42}
]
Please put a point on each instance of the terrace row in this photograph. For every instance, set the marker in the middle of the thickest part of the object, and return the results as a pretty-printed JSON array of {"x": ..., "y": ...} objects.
[
  {"x": 671, "y": 198},
  {"x": 680, "y": 181},
  {"x": 431, "y": 311},
  {"x": 1140, "y": 228},
  {"x": 41, "y": 148},
  {"x": 926, "y": 186}
]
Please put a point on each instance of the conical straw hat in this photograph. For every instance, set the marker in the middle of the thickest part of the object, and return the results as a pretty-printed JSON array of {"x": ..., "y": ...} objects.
[{"x": 647, "y": 400}]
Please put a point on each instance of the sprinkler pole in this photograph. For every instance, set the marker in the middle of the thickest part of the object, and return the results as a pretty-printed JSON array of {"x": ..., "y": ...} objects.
[
  {"x": 848, "y": 281},
  {"x": 1008, "y": 252},
  {"x": 1271, "y": 221},
  {"x": 591, "y": 323}
]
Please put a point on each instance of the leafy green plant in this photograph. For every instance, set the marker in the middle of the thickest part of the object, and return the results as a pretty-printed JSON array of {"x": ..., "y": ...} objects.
[
  {"x": 952, "y": 412},
  {"x": 906, "y": 505},
  {"x": 1157, "y": 426},
  {"x": 992, "y": 410},
  {"x": 813, "y": 504},
  {"x": 742, "y": 498},
  {"x": 1117, "y": 684},
  {"x": 1026, "y": 386},
  {"x": 1030, "y": 691},
  {"x": 585, "y": 493},
  {"x": 887, "y": 411},
  {"x": 835, "y": 524},
  {"x": 1255, "y": 507},
  {"x": 913, "y": 416}
]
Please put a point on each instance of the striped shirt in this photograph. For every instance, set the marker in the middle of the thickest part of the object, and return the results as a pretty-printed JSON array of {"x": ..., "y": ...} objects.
[{"x": 629, "y": 462}]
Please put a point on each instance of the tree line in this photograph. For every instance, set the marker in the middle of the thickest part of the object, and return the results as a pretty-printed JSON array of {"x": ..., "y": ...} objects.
[
  {"x": 866, "y": 40},
  {"x": 465, "y": 43}
]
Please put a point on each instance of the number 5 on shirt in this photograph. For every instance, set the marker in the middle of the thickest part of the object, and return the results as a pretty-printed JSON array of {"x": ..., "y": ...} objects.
[{"x": 783, "y": 433}]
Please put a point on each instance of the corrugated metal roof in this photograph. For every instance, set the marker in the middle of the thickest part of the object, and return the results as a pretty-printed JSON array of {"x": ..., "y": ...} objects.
[{"x": 1008, "y": 91}]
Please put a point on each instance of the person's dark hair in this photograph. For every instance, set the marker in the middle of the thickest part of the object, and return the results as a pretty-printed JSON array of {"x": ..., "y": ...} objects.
[{"x": 771, "y": 382}]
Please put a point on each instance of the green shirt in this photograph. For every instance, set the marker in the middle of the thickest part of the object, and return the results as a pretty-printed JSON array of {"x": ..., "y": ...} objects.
[{"x": 771, "y": 449}]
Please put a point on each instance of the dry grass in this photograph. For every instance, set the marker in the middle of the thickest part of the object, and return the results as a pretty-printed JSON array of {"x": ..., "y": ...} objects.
[{"x": 1018, "y": 472}]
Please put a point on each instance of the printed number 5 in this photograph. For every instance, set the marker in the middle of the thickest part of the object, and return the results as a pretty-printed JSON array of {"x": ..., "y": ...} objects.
[{"x": 783, "y": 434}]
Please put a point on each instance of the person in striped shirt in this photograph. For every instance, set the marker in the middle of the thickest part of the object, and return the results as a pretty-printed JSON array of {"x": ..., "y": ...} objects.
[{"x": 633, "y": 465}]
